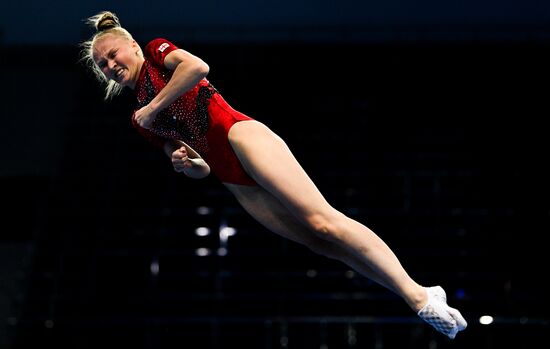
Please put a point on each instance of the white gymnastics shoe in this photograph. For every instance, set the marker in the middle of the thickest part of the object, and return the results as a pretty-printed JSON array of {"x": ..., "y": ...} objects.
[{"x": 437, "y": 313}]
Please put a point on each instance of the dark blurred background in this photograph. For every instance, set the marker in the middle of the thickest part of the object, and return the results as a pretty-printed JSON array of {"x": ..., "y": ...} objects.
[{"x": 433, "y": 115}]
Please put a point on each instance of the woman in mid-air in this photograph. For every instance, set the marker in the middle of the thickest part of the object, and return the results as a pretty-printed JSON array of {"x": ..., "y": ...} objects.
[{"x": 180, "y": 112}]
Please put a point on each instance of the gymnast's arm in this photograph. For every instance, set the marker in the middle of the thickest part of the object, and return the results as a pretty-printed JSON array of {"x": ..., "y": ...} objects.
[
  {"x": 185, "y": 159},
  {"x": 188, "y": 69}
]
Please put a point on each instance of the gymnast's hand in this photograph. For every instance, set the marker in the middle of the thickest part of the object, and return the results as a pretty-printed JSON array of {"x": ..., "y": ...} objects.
[
  {"x": 180, "y": 161},
  {"x": 145, "y": 116}
]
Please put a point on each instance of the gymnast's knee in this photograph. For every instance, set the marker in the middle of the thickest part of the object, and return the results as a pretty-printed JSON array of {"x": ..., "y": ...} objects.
[{"x": 326, "y": 226}]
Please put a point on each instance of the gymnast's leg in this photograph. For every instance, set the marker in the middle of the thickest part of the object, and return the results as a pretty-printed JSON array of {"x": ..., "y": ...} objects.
[
  {"x": 269, "y": 211},
  {"x": 268, "y": 160}
]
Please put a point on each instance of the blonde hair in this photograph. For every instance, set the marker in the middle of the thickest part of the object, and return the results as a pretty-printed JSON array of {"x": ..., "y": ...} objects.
[{"x": 104, "y": 23}]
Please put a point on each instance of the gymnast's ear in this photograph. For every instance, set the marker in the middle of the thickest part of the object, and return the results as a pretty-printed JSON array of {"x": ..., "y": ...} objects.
[{"x": 137, "y": 48}]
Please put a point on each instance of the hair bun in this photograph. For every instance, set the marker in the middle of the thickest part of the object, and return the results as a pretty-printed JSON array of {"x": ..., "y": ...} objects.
[{"x": 107, "y": 20}]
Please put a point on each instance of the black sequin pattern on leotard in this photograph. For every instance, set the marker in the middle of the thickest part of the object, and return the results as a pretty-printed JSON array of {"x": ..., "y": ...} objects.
[
  {"x": 185, "y": 119},
  {"x": 203, "y": 100}
]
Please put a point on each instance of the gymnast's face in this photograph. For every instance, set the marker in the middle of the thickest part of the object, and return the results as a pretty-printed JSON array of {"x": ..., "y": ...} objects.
[{"x": 118, "y": 58}]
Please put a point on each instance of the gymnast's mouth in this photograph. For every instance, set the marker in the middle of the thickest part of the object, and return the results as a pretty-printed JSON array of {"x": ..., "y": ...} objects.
[{"x": 118, "y": 74}]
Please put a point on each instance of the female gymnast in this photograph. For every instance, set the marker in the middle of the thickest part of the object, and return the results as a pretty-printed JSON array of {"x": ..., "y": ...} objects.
[{"x": 179, "y": 111}]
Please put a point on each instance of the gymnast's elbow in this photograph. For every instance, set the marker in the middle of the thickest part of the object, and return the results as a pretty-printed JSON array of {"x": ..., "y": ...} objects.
[{"x": 201, "y": 68}]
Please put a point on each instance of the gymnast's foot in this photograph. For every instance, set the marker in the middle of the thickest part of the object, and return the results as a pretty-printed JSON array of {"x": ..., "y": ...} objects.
[{"x": 437, "y": 313}]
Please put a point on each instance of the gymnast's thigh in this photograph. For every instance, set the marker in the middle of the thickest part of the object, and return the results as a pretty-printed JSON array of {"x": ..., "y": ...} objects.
[
  {"x": 272, "y": 214},
  {"x": 269, "y": 161}
]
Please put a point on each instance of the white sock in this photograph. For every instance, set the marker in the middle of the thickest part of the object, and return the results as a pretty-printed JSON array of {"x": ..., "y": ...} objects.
[{"x": 437, "y": 313}]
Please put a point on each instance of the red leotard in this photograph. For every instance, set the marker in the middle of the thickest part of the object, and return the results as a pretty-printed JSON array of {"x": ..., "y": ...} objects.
[{"x": 200, "y": 117}]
